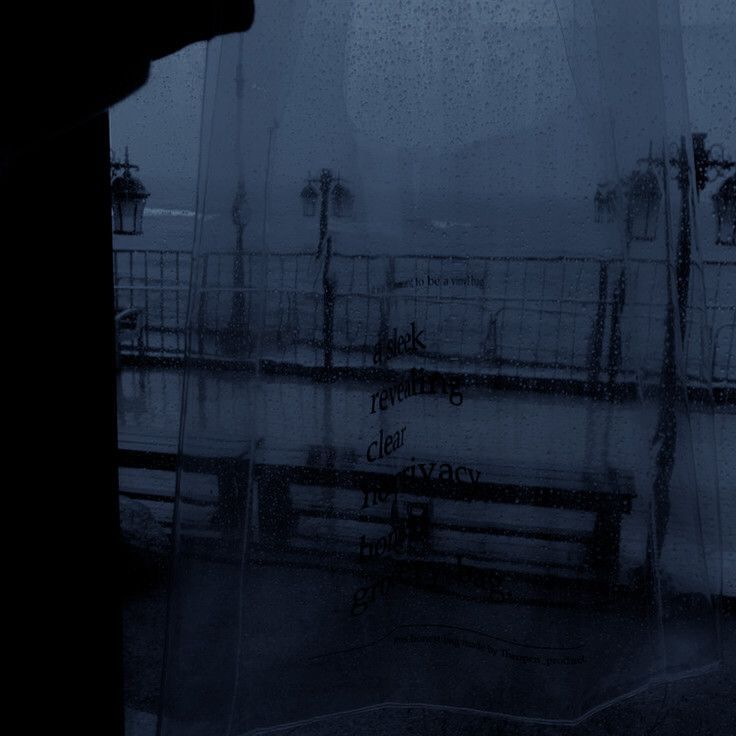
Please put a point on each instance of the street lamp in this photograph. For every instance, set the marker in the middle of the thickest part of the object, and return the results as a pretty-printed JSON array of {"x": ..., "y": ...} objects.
[
  {"x": 128, "y": 198},
  {"x": 644, "y": 196},
  {"x": 724, "y": 204},
  {"x": 237, "y": 334},
  {"x": 342, "y": 203},
  {"x": 643, "y": 203}
]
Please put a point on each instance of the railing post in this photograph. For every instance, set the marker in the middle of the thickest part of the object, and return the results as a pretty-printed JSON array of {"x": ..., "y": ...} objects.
[
  {"x": 328, "y": 310},
  {"x": 596, "y": 343},
  {"x": 614, "y": 350},
  {"x": 202, "y": 311}
]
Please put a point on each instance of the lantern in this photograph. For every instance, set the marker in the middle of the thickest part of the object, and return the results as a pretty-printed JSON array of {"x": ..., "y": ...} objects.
[
  {"x": 605, "y": 203},
  {"x": 724, "y": 206},
  {"x": 342, "y": 200},
  {"x": 128, "y": 200},
  {"x": 644, "y": 196},
  {"x": 309, "y": 201}
]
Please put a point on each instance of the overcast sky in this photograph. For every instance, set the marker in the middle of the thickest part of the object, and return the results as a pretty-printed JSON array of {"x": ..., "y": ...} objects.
[{"x": 161, "y": 122}]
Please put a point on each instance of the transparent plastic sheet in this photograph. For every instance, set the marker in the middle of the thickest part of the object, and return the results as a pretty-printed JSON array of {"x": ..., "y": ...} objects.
[{"x": 437, "y": 442}]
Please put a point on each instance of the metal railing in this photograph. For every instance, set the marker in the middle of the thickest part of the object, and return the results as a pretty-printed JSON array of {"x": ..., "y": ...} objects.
[
  {"x": 557, "y": 317},
  {"x": 156, "y": 282}
]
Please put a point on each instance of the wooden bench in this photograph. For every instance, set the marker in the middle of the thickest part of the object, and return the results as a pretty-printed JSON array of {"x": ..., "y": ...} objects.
[
  {"x": 320, "y": 509},
  {"x": 446, "y": 519}
]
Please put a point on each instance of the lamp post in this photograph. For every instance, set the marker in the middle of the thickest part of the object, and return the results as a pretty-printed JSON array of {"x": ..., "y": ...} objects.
[
  {"x": 342, "y": 206},
  {"x": 643, "y": 192},
  {"x": 128, "y": 198},
  {"x": 644, "y": 196},
  {"x": 237, "y": 332},
  {"x": 671, "y": 390},
  {"x": 236, "y": 337}
]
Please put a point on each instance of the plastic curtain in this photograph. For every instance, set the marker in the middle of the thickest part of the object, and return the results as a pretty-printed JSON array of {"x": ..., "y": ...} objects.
[{"x": 446, "y": 347}]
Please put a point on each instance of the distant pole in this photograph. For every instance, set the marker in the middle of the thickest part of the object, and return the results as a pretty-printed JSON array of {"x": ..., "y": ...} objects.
[
  {"x": 328, "y": 287},
  {"x": 236, "y": 325},
  {"x": 237, "y": 329},
  {"x": 342, "y": 206},
  {"x": 328, "y": 309}
]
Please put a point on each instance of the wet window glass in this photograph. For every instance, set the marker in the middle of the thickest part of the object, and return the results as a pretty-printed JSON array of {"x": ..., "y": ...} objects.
[{"x": 431, "y": 396}]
